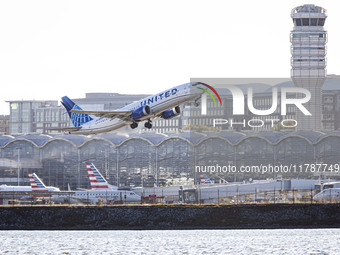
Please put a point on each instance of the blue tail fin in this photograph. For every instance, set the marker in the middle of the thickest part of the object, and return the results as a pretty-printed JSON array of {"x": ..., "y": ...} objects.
[{"x": 78, "y": 119}]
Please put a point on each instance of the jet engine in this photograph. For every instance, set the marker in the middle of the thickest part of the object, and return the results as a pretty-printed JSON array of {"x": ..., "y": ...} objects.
[
  {"x": 141, "y": 112},
  {"x": 168, "y": 114}
]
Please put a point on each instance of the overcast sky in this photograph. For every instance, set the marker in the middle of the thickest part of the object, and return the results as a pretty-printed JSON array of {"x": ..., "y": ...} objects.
[{"x": 49, "y": 49}]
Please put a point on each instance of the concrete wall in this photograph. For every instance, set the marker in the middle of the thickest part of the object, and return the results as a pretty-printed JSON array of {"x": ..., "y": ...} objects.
[{"x": 171, "y": 217}]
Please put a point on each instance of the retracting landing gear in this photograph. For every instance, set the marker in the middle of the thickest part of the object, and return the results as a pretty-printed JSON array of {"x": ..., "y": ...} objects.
[
  {"x": 134, "y": 125},
  {"x": 148, "y": 124},
  {"x": 197, "y": 103}
]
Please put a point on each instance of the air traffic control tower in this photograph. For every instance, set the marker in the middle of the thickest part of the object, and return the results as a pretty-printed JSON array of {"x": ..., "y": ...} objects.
[{"x": 308, "y": 61}]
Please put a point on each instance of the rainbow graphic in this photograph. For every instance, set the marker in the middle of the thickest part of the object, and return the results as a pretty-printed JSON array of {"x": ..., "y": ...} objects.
[{"x": 209, "y": 93}]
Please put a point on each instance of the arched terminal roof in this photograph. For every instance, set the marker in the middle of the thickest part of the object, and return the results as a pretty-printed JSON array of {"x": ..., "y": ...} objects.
[
  {"x": 231, "y": 137},
  {"x": 310, "y": 136},
  {"x": 152, "y": 138},
  {"x": 38, "y": 140},
  {"x": 5, "y": 139},
  {"x": 193, "y": 138},
  {"x": 77, "y": 140},
  {"x": 115, "y": 139}
]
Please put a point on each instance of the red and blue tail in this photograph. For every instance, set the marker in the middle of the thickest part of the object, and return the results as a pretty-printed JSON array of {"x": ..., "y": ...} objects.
[
  {"x": 97, "y": 181},
  {"x": 36, "y": 183},
  {"x": 205, "y": 179}
]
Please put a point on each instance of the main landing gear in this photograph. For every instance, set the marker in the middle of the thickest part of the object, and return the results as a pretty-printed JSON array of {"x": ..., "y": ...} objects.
[
  {"x": 134, "y": 125},
  {"x": 148, "y": 124}
]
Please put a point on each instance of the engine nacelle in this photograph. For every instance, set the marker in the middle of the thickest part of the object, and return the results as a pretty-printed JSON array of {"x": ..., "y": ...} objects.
[
  {"x": 141, "y": 112},
  {"x": 168, "y": 114}
]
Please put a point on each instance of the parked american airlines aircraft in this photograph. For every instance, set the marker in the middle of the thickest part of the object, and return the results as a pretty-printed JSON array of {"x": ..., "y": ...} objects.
[
  {"x": 164, "y": 105},
  {"x": 18, "y": 192},
  {"x": 94, "y": 196},
  {"x": 36, "y": 185}
]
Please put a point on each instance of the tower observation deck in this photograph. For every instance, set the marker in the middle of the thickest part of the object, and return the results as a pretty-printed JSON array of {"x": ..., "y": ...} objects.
[{"x": 308, "y": 61}]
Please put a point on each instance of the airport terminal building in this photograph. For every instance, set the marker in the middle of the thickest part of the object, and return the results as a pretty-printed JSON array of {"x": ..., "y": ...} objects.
[{"x": 60, "y": 159}]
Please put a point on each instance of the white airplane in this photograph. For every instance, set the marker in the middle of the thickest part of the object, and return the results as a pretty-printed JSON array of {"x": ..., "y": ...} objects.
[
  {"x": 107, "y": 196},
  {"x": 36, "y": 185},
  {"x": 328, "y": 195},
  {"x": 95, "y": 196},
  {"x": 6, "y": 188},
  {"x": 25, "y": 192},
  {"x": 164, "y": 105}
]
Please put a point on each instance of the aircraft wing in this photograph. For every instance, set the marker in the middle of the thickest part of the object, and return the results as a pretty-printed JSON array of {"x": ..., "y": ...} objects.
[
  {"x": 106, "y": 114},
  {"x": 66, "y": 129}
]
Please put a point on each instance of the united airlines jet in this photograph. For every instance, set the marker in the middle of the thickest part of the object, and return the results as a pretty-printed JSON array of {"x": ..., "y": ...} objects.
[{"x": 164, "y": 105}]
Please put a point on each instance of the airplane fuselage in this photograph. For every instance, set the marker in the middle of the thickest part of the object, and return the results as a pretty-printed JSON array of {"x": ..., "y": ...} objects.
[
  {"x": 94, "y": 196},
  {"x": 25, "y": 192},
  {"x": 330, "y": 195},
  {"x": 5, "y": 188}
]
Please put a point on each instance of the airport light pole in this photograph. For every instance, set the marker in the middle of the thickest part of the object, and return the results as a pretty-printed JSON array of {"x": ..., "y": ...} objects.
[
  {"x": 142, "y": 182},
  {"x": 18, "y": 148},
  {"x": 157, "y": 174},
  {"x": 117, "y": 165}
]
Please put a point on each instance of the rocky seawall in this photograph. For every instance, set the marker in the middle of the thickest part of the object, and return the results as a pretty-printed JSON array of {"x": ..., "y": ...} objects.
[{"x": 171, "y": 217}]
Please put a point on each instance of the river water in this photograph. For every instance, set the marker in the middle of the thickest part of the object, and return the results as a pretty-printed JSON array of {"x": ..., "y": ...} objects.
[{"x": 273, "y": 241}]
